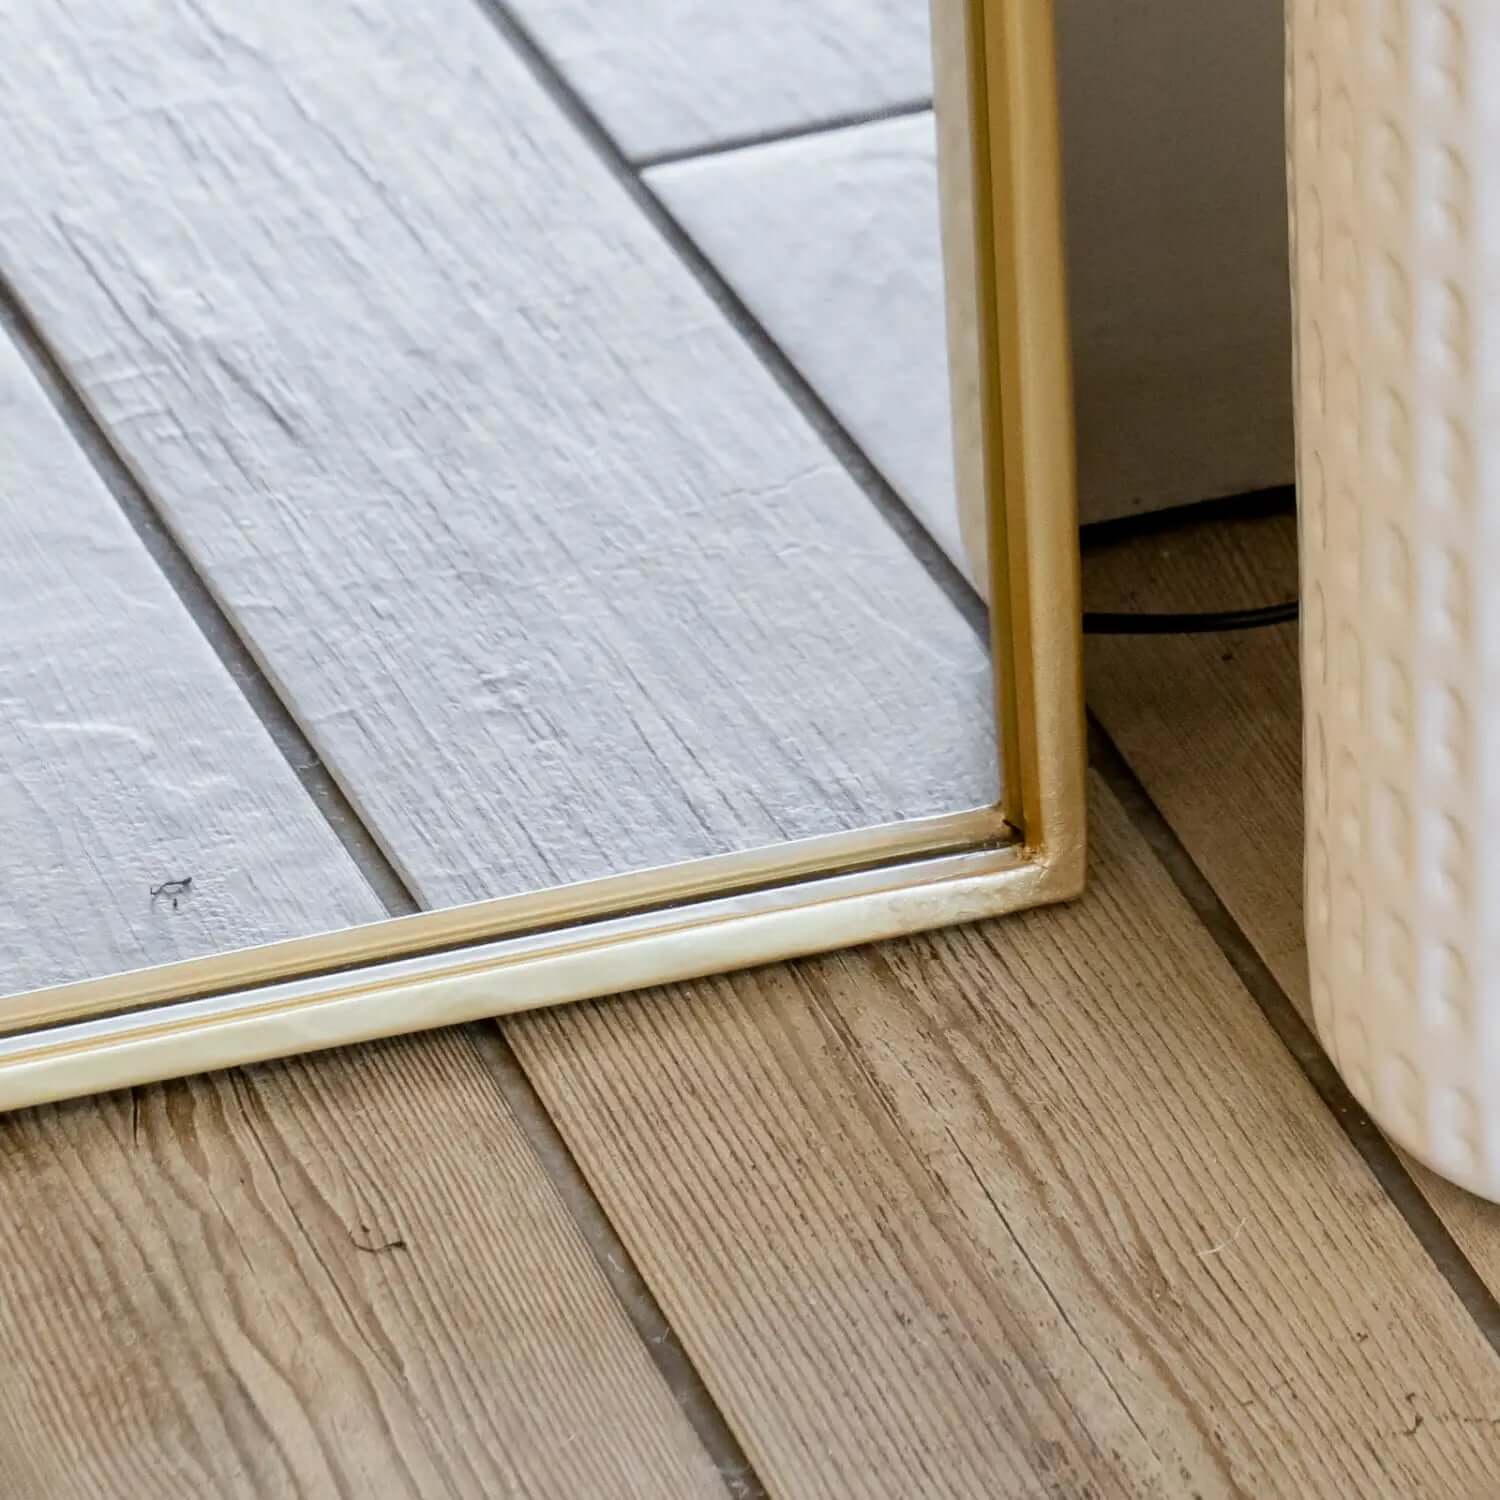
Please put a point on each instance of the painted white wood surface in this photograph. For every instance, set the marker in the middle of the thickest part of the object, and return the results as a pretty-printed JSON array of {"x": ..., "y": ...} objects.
[
  {"x": 675, "y": 75},
  {"x": 128, "y": 756},
  {"x": 557, "y": 580},
  {"x": 833, "y": 242}
]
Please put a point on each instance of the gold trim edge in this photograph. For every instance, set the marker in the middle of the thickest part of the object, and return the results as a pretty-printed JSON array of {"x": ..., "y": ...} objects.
[
  {"x": 502, "y": 917},
  {"x": 615, "y": 956}
]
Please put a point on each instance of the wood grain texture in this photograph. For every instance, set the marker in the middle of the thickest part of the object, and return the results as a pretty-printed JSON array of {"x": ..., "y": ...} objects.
[
  {"x": 675, "y": 75},
  {"x": 345, "y": 1276},
  {"x": 1213, "y": 728},
  {"x": 1040, "y": 1207},
  {"x": 833, "y": 241},
  {"x": 555, "y": 577},
  {"x": 130, "y": 756}
]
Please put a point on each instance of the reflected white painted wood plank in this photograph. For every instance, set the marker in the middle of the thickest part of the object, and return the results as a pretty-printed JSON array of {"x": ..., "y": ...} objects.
[
  {"x": 677, "y": 75},
  {"x": 833, "y": 242},
  {"x": 128, "y": 756},
  {"x": 557, "y": 579}
]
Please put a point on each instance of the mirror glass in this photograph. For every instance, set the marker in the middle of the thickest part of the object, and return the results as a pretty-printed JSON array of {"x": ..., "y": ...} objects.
[{"x": 453, "y": 449}]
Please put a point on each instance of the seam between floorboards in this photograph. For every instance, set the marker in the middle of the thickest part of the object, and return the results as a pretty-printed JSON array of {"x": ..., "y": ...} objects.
[
  {"x": 777, "y": 135},
  {"x": 232, "y": 649},
  {"x": 1381, "y": 1158},
  {"x": 617, "y": 1265}
]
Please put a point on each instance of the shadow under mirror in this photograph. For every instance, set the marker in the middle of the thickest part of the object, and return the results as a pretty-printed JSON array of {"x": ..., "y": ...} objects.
[{"x": 446, "y": 456}]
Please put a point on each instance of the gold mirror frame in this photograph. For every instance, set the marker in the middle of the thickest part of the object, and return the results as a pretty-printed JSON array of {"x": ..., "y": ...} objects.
[{"x": 707, "y": 916}]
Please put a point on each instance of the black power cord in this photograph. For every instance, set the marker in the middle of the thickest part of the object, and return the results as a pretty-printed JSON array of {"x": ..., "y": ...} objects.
[
  {"x": 1100, "y": 622},
  {"x": 1262, "y": 503}
]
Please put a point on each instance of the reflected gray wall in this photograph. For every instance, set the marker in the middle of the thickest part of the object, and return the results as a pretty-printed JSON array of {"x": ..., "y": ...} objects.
[{"x": 1176, "y": 206}]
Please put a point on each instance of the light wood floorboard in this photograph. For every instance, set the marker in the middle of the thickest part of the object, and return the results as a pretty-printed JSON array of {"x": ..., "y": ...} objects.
[
  {"x": 1040, "y": 1207},
  {"x": 344, "y": 1276},
  {"x": 130, "y": 756},
  {"x": 1212, "y": 725}
]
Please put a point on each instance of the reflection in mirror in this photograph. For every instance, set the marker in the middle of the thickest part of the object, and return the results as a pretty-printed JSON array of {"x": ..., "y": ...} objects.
[{"x": 442, "y": 460}]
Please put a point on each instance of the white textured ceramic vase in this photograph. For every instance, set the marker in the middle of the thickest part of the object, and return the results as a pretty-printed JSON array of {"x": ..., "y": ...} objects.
[{"x": 1394, "y": 144}]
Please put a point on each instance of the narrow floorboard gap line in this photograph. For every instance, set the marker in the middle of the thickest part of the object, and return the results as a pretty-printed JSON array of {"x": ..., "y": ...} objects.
[
  {"x": 836, "y": 437},
  {"x": 1296, "y": 1035},
  {"x": 617, "y": 1265},
  {"x": 775, "y": 136},
  {"x": 232, "y": 649}
]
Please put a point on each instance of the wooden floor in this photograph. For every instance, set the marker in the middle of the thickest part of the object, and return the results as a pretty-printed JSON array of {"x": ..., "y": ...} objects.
[{"x": 1069, "y": 1204}]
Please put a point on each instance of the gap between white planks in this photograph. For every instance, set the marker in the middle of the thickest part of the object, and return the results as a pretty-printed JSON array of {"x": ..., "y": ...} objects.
[
  {"x": 665, "y": 77},
  {"x": 130, "y": 758},
  {"x": 853, "y": 294}
]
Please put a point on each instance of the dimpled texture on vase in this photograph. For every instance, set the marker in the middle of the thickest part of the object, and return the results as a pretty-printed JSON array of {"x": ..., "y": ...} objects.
[{"x": 1396, "y": 265}]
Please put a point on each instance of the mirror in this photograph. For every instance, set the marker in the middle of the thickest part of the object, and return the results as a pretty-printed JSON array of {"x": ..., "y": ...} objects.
[{"x": 454, "y": 451}]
